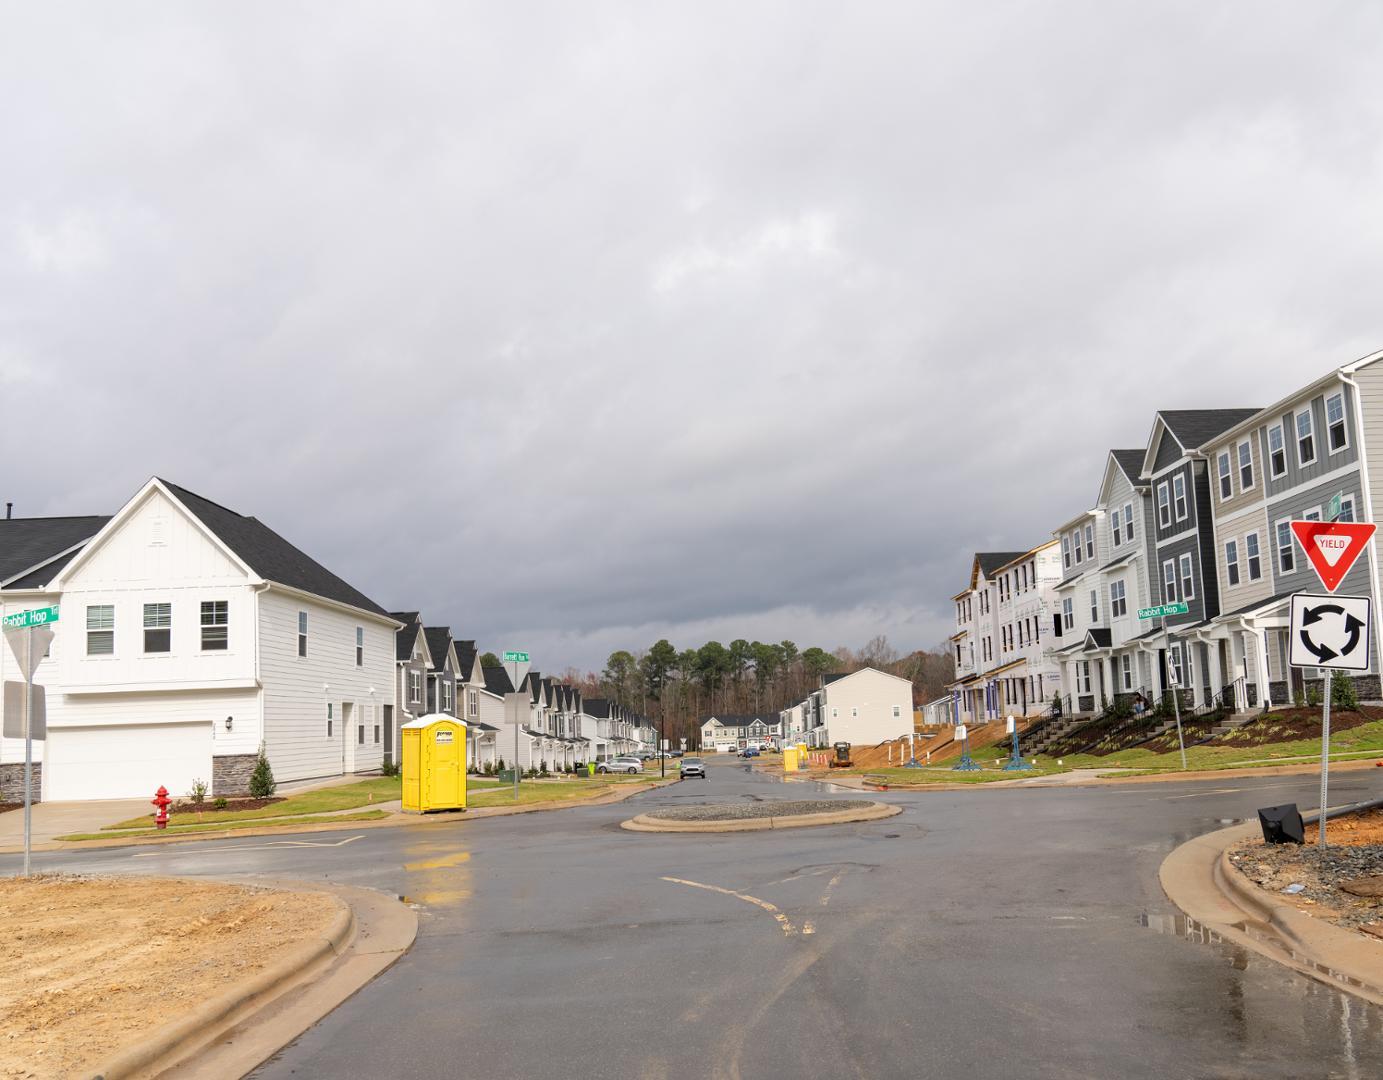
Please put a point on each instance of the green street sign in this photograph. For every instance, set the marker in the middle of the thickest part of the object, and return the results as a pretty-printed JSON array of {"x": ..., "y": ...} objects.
[
  {"x": 512, "y": 657},
  {"x": 33, "y": 617},
  {"x": 1334, "y": 507},
  {"x": 1163, "y": 610}
]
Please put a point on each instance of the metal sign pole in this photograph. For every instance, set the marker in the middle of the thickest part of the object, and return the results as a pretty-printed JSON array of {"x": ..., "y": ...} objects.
[
  {"x": 1325, "y": 751},
  {"x": 1176, "y": 692},
  {"x": 29, "y": 746}
]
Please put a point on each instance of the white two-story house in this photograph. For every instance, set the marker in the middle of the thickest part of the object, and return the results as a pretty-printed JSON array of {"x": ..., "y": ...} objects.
[{"x": 189, "y": 637}]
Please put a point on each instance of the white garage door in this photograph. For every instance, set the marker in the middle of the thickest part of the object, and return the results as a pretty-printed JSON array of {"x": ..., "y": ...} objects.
[{"x": 125, "y": 762}]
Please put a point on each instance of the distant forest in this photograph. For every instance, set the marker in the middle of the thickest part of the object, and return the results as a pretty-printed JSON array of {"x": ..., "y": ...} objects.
[{"x": 682, "y": 687}]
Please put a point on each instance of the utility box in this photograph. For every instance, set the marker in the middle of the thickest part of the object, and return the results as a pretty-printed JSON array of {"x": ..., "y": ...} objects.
[{"x": 434, "y": 764}]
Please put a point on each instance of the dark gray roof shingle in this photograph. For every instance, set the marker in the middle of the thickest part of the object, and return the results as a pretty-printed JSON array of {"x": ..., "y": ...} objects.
[
  {"x": 1194, "y": 428},
  {"x": 26, "y": 542},
  {"x": 497, "y": 681},
  {"x": 438, "y": 638},
  {"x": 404, "y": 639},
  {"x": 992, "y": 560},
  {"x": 269, "y": 555},
  {"x": 1131, "y": 461}
]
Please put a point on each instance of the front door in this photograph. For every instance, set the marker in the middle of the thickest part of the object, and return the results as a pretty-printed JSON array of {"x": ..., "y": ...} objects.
[{"x": 347, "y": 736}]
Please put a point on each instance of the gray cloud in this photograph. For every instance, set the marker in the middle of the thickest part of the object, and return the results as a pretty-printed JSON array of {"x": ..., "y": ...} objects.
[{"x": 580, "y": 325}]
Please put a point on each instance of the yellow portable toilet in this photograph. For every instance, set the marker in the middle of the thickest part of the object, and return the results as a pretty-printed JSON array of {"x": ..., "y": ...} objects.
[
  {"x": 789, "y": 758},
  {"x": 434, "y": 764},
  {"x": 801, "y": 755}
]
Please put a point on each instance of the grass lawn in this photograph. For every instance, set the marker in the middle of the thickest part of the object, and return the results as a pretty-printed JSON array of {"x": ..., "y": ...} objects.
[
  {"x": 380, "y": 789},
  {"x": 368, "y": 815},
  {"x": 943, "y": 774}
]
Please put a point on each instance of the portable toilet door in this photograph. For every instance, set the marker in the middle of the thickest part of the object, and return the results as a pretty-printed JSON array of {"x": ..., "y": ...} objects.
[{"x": 434, "y": 764}]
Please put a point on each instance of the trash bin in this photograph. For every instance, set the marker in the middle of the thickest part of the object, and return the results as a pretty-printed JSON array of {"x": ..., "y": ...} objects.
[
  {"x": 434, "y": 764},
  {"x": 505, "y": 776},
  {"x": 590, "y": 768}
]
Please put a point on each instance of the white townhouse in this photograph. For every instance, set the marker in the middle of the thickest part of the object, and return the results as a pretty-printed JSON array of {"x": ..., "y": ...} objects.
[
  {"x": 1004, "y": 645},
  {"x": 731, "y": 733},
  {"x": 189, "y": 636},
  {"x": 862, "y": 707}
]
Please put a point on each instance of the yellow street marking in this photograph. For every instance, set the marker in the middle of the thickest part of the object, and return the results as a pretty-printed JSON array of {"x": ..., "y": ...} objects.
[
  {"x": 826, "y": 896},
  {"x": 445, "y": 862},
  {"x": 788, "y": 928}
]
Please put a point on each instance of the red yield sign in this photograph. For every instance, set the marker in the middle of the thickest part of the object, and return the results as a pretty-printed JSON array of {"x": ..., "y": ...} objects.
[{"x": 1332, "y": 547}]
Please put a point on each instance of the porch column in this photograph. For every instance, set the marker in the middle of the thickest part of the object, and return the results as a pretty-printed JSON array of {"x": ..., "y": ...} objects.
[
  {"x": 1213, "y": 659},
  {"x": 1237, "y": 667},
  {"x": 1265, "y": 696},
  {"x": 1111, "y": 679}
]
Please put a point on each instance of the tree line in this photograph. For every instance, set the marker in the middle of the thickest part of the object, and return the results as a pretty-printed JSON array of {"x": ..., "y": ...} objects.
[{"x": 681, "y": 687}]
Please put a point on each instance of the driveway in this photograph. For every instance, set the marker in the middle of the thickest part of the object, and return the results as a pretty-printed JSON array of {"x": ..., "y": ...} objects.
[{"x": 54, "y": 819}]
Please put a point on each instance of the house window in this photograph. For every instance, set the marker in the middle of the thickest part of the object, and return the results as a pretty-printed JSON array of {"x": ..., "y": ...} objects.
[
  {"x": 473, "y": 702},
  {"x": 1335, "y": 432},
  {"x": 376, "y": 733},
  {"x": 1306, "y": 437},
  {"x": 1188, "y": 585},
  {"x": 328, "y": 719},
  {"x": 1226, "y": 483},
  {"x": 100, "y": 630},
  {"x": 1253, "y": 557},
  {"x": 1169, "y": 582},
  {"x": 1128, "y": 520},
  {"x": 1346, "y": 508},
  {"x": 1277, "y": 452},
  {"x": 897, "y": 711},
  {"x": 1083, "y": 677},
  {"x": 1179, "y": 495},
  {"x": 1068, "y": 613},
  {"x": 158, "y": 628},
  {"x": 1114, "y": 526},
  {"x": 835, "y": 712},
  {"x": 1245, "y": 466},
  {"x": 1066, "y": 551},
  {"x": 1118, "y": 599},
  {"x": 1094, "y": 606},
  {"x": 1164, "y": 510},
  {"x": 302, "y": 633},
  {"x": 1174, "y": 662},
  {"x": 1127, "y": 662},
  {"x": 1090, "y": 541},
  {"x": 359, "y": 646},
  {"x": 360, "y": 735},
  {"x": 1080, "y": 552},
  {"x": 415, "y": 685},
  {"x": 215, "y": 625},
  {"x": 1232, "y": 562},
  {"x": 854, "y": 711},
  {"x": 1286, "y": 557}
]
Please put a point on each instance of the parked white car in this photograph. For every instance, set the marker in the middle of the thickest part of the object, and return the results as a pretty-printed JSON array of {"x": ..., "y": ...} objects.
[{"x": 629, "y": 764}]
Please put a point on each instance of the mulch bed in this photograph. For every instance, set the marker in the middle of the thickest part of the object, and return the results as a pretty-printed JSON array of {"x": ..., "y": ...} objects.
[
  {"x": 1292, "y": 724},
  {"x": 5, "y": 806},
  {"x": 748, "y": 810},
  {"x": 231, "y": 804}
]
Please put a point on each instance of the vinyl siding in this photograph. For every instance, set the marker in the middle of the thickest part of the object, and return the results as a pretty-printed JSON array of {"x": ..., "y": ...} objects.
[
  {"x": 1325, "y": 462},
  {"x": 874, "y": 694},
  {"x": 297, "y": 689},
  {"x": 1240, "y": 497},
  {"x": 1303, "y": 577},
  {"x": 1234, "y": 597}
]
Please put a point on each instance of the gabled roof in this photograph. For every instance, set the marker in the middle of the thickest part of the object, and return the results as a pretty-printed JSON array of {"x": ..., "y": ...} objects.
[
  {"x": 826, "y": 680},
  {"x": 465, "y": 657},
  {"x": 1131, "y": 461},
  {"x": 497, "y": 681},
  {"x": 598, "y": 707},
  {"x": 1098, "y": 637},
  {"x": 27, "y": 543},
  {"x": 990, "y": 561},
  {"x": 1192, "y": 428},
  {"x": 438, "y": 642},
  {"x": 408, "y": 635},
  {"x": 268, "y": 554}
]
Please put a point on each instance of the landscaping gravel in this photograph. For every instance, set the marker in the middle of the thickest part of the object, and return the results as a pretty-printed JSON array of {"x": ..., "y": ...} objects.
[
  {"x": 1275, "y": 866},
  {"x": 748, "y": 810}
]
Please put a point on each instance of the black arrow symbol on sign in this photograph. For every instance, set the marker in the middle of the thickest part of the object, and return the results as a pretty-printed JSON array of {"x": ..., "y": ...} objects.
[
  {"x": 1352, "y": 626},
  {"x": 1323, "y": 653},
  {"x": 1313, "y": 614}
]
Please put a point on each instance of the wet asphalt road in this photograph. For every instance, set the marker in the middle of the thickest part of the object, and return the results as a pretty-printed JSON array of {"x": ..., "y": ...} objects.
[{"x": 978, "y": 934}]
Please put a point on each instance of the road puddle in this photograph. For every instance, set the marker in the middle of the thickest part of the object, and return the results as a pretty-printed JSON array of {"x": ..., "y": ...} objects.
[{"x": 437, "y": 876}]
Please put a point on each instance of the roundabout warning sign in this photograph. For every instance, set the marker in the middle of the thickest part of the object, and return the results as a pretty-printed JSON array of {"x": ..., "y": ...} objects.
[{"x": 1330, "y": 632}]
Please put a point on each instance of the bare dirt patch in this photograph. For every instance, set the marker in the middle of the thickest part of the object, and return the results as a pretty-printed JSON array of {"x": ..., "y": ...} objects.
[
  {"x": 91, "y": 965},
  {"x": 1338, "y": 884}
]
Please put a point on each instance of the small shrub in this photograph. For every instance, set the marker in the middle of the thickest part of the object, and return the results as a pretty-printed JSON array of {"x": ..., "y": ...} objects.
[
  {"x": 262, "y": 782},
  {"x": 220, "y": 803},
  {"x": 389, "y": 768},
  {"x": 1342, "y": 693},
  {"x": 198, "y": 792},
  {"x": 499, "y": 765}
]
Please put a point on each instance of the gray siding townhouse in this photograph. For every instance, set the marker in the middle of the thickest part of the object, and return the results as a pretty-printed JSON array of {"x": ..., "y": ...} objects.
[
  {"x": 411, "y": 661},
  {"x": 1184, "y": 543},
  {"x": 1302, "y": 458},
  {"x": 978, "y": 641},
  {"x": 441, "y": 676}
]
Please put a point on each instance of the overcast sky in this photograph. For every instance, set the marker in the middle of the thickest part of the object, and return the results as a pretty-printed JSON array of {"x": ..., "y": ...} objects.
[{"x": 577, "y": 325}]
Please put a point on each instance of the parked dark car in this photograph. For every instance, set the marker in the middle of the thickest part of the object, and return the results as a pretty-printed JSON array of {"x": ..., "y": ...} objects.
[{"x": 750, "y": 751}]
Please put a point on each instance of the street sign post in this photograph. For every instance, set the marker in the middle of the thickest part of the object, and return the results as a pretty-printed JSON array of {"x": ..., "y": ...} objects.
[
  {"x": 1332, "y": 633},
  {"x": 1332, "y": 547},
  {"x": 512, "y": 659},
  {"x": 28, "y": 637},
  {"x": 1161, "y": 611}
]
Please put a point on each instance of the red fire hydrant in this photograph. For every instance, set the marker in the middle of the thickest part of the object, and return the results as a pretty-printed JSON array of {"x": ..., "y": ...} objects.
[{"x": 162, "y": 801}]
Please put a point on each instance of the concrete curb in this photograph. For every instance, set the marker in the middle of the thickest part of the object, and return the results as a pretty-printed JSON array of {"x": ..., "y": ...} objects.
[
  {"x": 1200, "y": 880},
  {"x": 173, "y": 1039},
  {"x": 394, "y": 821},
  {"x": 871, "y": 811}
]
